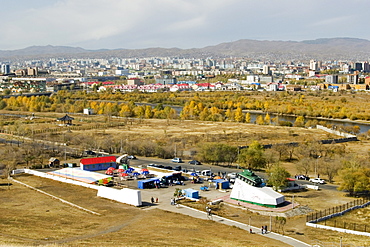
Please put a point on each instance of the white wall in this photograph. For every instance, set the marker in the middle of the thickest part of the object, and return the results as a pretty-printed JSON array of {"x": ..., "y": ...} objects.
[{"x": 128, "y": 196}]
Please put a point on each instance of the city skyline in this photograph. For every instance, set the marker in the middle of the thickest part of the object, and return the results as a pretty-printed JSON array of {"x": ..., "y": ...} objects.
[{"x": 116, "y": 24}]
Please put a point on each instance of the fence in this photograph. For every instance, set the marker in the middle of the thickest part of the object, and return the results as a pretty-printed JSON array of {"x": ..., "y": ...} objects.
[
  {"x": 316, "y": 216},
  {"x": 340, "y": 225},
  {"x": 58, "y": 129}
]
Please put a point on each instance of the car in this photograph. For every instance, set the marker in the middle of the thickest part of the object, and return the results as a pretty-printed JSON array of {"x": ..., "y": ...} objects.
[
  {"x": 177, "y": 168},
  {"x": 302, "y": 177},
  {"x": 168, "y": 167},
  {"x": 177, "y": 160},
  {"x": 89, "y": 152},
  {"x": 317, "y": 181},
  {"x": 152, "y": 164},
  {"x": 194, "y": 162},
  {"x": 131, "y": 157}
]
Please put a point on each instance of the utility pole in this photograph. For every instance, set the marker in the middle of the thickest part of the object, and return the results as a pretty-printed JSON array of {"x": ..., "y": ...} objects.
[
  {"x": 270, "y": 223},
  {"x": 317, "y": 164}
]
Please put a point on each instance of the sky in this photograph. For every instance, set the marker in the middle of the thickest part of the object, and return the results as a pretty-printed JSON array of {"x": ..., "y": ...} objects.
[{"x": 137, "y": 24}]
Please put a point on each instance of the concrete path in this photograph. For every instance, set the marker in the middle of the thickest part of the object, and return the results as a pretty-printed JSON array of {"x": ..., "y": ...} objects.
[
  {"x": 202, "y": 215},
  {"x": 165, "y": 196}
]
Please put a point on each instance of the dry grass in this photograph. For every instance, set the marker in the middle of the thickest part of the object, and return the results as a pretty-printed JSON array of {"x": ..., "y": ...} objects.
[{"x": 30, "y": 218}]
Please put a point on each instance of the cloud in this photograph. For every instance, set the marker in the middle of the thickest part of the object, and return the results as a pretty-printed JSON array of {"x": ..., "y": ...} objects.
[{"x": 96, "y": 24}]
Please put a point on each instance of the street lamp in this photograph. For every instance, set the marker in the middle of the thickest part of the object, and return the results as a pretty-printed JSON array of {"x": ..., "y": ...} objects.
[{"x": 316, "y": 165}]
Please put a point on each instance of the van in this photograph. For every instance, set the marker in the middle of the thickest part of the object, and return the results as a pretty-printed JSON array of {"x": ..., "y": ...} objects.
[{"x": 206, "y": 173}]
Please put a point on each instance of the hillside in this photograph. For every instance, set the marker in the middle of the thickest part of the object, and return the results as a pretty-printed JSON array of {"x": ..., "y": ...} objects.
[{"x": 333, "y": 48}]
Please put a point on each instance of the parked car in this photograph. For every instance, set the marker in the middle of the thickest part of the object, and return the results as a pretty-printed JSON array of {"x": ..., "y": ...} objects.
[
  {"x": 131, "y": 157},
  {"x": 302, "y": 177},
  {"x": 177, "y": 168},
  {"x": 168, "y": 167},
  {"x": 317, "y": 181},
  {"x": 206, "y": 173},
  {"x": 194, "y": 162},
  {"x": 89, "y": 152},
  {"x": 177, "y": 160}
]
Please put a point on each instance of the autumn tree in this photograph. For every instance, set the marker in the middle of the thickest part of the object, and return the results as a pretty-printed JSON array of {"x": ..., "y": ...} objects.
[
  {"x": 278, "y": 176},
  {"x": 238, "y": 116},
  {"x": 252, "y": 157},
  {"x": 299, "y": 122},
  {"x": 304, "y": 165},
  {"x": 248, "y": 117},
  {"x": 354, "y": 176},
  {"x": 217, "y": 153}
]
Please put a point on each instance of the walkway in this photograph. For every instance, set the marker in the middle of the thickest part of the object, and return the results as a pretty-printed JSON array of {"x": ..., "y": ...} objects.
[
  {"x": 202, "y": 215},
  {"x": 165, "y": 196}
]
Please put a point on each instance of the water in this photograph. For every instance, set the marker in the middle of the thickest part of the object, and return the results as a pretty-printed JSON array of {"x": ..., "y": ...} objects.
[{"x": 363, "y": 126}]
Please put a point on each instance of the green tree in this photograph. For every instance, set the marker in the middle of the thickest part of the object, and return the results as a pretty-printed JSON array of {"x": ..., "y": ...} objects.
[
  {"x": 354, "y": 178},
  {"x": 216, "y": 153},
  {"x": 252, "y": 157},
  {"x": 278, "y": 176}
]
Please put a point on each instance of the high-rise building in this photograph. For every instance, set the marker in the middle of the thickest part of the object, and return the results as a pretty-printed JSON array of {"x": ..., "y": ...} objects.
[
  {"x": 314, "y": 65},
  {"x": 331, "y": 79},
  {"x": 266, "y": 70},
  {"x": 365, "y": 66},
  {"x": 5, "y": 68}
]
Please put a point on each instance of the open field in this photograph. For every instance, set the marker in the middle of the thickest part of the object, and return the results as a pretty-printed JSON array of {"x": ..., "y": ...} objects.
[
  {"x": 57, "y": 224},
  {"x": 52, "y": 222},
  {"x": 30, "y": 218}
]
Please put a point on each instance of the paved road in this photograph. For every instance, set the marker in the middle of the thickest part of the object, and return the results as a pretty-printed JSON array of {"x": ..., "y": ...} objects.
[
  {"x": 166, "y": 194},
  {"x": 184, "y": 165}
]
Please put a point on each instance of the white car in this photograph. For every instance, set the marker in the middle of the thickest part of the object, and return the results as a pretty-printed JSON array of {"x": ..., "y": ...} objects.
[
  {"x": 317, "y": 181},
  {"x": 177, "y": 160}
]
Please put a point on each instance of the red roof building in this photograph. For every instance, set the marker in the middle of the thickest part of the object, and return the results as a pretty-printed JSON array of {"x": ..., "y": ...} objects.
[{"x": 98, "y": 163}]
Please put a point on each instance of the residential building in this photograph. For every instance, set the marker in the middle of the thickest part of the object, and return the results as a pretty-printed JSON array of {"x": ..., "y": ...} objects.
[
  {"x": 5, "y": 69},
  {"x": 331, "y": 79}
]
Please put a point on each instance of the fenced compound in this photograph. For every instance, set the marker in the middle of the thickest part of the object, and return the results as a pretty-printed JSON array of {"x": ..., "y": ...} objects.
[
  {"x": 327, "y": 222},
  {"x": 318, "y": 216}
]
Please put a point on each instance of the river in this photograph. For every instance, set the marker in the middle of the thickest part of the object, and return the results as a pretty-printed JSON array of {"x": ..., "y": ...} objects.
[{"x": 364, "y": 127}]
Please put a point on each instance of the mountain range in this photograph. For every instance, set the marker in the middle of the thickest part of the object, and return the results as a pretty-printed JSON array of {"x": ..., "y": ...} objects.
[{"x": 326, "y": 48}]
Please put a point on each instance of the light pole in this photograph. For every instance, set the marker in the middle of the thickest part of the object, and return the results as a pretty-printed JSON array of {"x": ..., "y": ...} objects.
[
  {"x": 316, "y": 165},
  {"x": 270, "y": 223}
]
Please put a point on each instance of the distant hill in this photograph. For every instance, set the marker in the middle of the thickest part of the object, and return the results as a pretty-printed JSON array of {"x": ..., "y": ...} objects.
[
  {"x": 331, "y": 48},
  {"x": 42, "y": 50}
]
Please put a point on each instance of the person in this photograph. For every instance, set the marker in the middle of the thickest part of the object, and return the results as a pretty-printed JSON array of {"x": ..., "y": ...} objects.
[
  {"x": 262, "y": 229},
  {"x": 156, "y": 200},
  {"x": 209, "y": 212},
  {"x": 265, "y": 229},
  {"x": 152, "y": 200},
  {"x": 250, "y": 230},
  {"x": 172, "y": 202}
]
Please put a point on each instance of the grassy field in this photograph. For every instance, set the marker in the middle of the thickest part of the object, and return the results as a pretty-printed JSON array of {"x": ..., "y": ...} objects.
[{"x": 29, "y": 218}]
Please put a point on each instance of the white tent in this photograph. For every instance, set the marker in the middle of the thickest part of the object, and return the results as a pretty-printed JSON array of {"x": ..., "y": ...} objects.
[{"x": 264, "y": 196}]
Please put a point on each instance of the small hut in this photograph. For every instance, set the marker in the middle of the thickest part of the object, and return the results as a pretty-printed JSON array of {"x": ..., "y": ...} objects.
[
  {"x": 67, "y": 120},
  {"x": 54, "y": 162}
]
